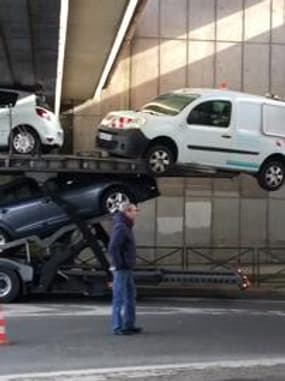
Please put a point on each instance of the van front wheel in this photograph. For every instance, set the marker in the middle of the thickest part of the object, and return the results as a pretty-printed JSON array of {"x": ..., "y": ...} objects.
[
  {"x": 159, "y": 159},
  {"x": 271, "y": 175}
]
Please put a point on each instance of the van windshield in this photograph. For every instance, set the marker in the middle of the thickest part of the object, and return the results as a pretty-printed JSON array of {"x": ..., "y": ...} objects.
[{"x": 169, "y": 104}]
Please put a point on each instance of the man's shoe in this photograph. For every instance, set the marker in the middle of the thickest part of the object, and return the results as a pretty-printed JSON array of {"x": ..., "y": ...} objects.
[
  {"x": 121, "y": 332},
  {"x": 133, "y": 330}
]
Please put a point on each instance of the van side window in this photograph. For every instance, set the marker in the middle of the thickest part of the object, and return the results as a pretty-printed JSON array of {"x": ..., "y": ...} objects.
[
  {"x": 211, "y": 113},
  {"x": 8, "y": 98}
]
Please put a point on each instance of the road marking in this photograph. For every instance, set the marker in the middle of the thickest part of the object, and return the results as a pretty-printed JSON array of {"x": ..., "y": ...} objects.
[
  {"x": 216, "y": 300},
  {"x": 141, "y": 371},
  {"x": 79, "y": 310}
]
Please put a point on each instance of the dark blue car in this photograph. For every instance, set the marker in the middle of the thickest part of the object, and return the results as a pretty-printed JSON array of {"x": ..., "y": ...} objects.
[{"x": 26, "y": 210}]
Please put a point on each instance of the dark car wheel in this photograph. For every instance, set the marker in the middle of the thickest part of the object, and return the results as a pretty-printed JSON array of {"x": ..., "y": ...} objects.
[
  {"x": 159, "y": 159},
  {"x": 10, "y": 286},
  {"x": 25, "y": 141},
  {"x": 114, "y": 197},
  {"x": 272, "y": 175}
]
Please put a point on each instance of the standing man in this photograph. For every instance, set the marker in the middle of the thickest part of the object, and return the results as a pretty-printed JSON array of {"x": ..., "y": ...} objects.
[{"x": 122, "y": 250}]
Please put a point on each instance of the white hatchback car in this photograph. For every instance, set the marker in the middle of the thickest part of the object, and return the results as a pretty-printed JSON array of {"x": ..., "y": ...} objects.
[
  {"x": 26, "y": 124},
  {"x": 221, "y": 129}
]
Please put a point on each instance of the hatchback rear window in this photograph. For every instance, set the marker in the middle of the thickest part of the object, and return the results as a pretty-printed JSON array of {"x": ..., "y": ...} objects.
[
  {"x": 8, "y": 99},
  {"x": 169, "y": 104},
  {"x": 42, "y": 102}
]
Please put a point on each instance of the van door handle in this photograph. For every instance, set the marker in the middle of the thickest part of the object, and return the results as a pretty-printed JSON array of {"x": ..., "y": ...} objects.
[
  {"x": 4, "y": 211},
  {"x": 226, "y": 136}
]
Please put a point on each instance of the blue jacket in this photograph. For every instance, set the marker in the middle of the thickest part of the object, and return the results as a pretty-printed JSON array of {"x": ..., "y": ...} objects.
[{"x": 122, "y": 246}]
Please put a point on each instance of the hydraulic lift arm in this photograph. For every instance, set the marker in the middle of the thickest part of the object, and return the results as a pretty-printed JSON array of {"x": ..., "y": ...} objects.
[{"x": 92, "y": 236}]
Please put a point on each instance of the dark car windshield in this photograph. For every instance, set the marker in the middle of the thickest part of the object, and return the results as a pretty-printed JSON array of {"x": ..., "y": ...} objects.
[
  {"x": 8, "y": 99},
  {"x": 18, "y": 190},
  {"x": 169, "y": 104}
]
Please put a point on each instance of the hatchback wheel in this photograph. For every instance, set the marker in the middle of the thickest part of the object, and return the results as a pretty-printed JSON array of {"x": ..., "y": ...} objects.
[
  {"x": 272, "y": 175},
  {"x": 159, "y": 159},
  {"x": 9, "y": 285},
  {"x": 113, "y": 198},
  {"x": 25, "y": 141}
]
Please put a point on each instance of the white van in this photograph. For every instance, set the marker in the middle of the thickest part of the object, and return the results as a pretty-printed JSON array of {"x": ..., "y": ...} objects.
[{"x": 221, "y": 129}]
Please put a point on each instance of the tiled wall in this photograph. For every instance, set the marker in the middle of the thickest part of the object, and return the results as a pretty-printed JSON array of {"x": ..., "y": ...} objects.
[
  {"x": 181, "y": 43},
  {"x": 204, "y": 42}
]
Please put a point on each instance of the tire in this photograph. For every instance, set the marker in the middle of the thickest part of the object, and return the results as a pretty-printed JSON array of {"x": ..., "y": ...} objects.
[
  {"x": 113, "y": 197},
  {"x": 25, "y": 141},
  {"x": 10, "y": 286},
  {"x": 271, "y": 175},
  {"x": 159, "y": 159}
]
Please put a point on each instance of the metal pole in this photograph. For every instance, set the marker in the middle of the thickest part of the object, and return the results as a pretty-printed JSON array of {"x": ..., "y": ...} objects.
[
  {"x": 258, "y": 267},
  {"x": 28, "y": 252},
  {"x": 253, "y": 266}
]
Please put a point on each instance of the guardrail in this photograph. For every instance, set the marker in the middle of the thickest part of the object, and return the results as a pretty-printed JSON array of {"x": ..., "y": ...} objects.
[{"x": 263, "y": 265}]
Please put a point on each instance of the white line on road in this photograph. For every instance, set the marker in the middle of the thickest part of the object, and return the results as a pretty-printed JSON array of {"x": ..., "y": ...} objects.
[
  {"x": 141, "y": 371},
  {"x": 34, "y": 311}
]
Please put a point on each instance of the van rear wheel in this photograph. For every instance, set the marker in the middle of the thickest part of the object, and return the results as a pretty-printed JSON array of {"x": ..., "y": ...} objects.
[{"x": 272, "y": 175}]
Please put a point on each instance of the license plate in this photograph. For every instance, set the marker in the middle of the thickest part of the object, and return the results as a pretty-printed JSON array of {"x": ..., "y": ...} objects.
[{"x": 104, "y": 136}]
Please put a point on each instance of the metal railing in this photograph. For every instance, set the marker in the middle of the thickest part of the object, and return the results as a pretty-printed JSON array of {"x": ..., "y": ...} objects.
[{"x": 263, "y": 265}]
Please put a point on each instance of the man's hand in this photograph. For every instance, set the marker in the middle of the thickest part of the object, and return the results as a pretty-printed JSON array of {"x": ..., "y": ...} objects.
[{"x": 110, "y": 284}]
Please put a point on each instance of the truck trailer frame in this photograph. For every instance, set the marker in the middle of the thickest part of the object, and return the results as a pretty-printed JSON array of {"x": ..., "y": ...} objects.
[{"x": 35, "y": 265}]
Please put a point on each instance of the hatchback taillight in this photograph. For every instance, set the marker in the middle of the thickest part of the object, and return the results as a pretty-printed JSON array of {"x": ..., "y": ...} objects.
[{"x": 42, "y": 113}]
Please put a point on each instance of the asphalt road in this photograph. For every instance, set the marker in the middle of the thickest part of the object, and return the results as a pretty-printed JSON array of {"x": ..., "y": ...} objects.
[{"x": 225, "y": 340}]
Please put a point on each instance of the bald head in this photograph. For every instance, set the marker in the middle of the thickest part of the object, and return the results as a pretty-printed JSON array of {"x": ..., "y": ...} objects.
[{"x": 129, "y": 209}]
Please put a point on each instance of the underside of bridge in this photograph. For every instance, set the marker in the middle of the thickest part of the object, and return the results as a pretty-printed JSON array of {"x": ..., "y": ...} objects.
[{"x": 30, "y": 31}]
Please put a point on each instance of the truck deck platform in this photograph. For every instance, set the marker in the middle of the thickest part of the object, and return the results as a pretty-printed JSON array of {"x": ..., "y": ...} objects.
[{"x": 96, "y": 163}]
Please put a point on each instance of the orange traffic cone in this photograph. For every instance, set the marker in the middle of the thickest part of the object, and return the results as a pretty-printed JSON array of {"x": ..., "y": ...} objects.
[{"x": 3, "y": 336}]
